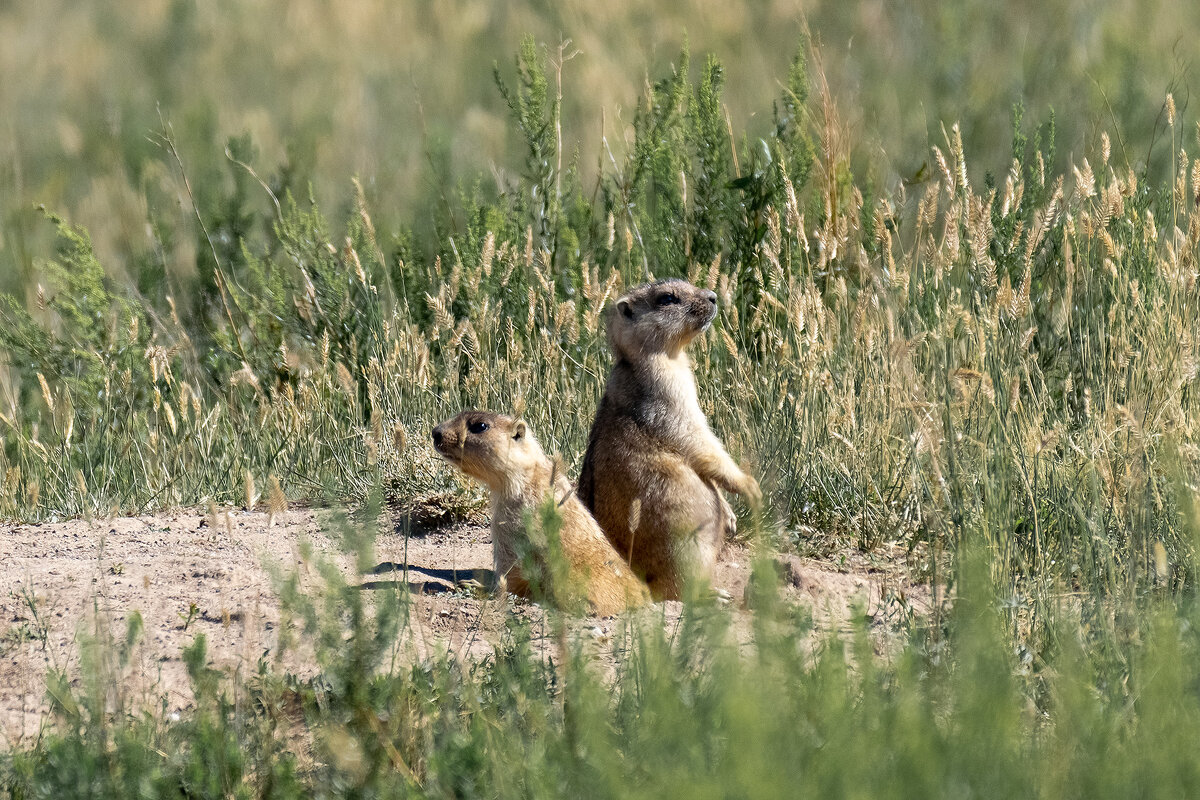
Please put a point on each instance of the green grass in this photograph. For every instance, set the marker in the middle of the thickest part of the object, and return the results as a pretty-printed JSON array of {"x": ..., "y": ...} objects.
[
  {"x": 997, "y": 372},
  {"x": 687, "y": 714}
]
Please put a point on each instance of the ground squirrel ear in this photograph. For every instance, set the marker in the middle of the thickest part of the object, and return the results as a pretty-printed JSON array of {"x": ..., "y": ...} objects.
[
  {"x": 625, "y": 309},
  {"x": 519, "y": 430}
]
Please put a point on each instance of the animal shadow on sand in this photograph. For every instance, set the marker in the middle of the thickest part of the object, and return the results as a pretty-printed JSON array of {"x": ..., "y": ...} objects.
[{"x": 444, "y": 580}]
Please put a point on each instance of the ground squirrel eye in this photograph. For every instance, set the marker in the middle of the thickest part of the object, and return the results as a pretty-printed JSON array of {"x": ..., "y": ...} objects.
[
  {"x": 478, "y": 427},
  {"x": 670, "y": 298}
]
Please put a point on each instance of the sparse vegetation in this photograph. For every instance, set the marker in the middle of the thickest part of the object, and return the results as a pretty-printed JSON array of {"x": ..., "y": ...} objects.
[{"x": 997, "y": 371}]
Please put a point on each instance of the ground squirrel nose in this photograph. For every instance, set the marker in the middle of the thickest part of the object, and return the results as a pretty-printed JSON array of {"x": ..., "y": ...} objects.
[
  {"x": 437, "y": 436},
  {"x": 711, "y": 296}
]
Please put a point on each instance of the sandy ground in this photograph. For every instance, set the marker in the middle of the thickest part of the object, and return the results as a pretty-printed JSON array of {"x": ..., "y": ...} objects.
[{"x": 67, "y": 583}]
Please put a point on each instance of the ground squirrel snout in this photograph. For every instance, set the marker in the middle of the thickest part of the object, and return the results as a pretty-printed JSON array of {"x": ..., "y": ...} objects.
[
  {"x": 654, "y": 470},
  {"x": 502, "y": 453}
]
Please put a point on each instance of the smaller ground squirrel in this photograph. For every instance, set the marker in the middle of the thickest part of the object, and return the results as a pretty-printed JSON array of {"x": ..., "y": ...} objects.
[
  {"x": 501, "y": 452},
  {"x": 654, "y": 469}
]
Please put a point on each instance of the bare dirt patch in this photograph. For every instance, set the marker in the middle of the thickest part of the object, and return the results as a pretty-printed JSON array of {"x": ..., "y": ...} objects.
[{"x": 64, "y": 583}]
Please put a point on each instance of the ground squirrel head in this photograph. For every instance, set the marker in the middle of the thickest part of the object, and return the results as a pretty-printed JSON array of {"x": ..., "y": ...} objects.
[
  {"x": 494, "y": 448},
  {"x": 659, "y": 317}
]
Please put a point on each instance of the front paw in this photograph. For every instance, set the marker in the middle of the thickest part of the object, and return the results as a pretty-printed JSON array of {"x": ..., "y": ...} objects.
[{"x": 750, "y": 490}]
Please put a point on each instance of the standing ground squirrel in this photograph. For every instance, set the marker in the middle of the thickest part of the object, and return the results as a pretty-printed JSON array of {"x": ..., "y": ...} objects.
[
  {"x": 501, "y": 452},
  {"x": 654, "y": 469}
]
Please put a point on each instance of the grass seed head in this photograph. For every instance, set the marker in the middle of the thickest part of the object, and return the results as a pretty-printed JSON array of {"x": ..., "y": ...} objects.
[
  {"x": 345, "y": 379},
  {"x": 487, "y": 254},
  {"x": 46, "y": 396},
  {"x": 276, "y": 500},
  {"x": 1014, "y": 394}
]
